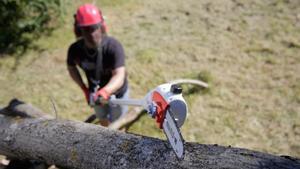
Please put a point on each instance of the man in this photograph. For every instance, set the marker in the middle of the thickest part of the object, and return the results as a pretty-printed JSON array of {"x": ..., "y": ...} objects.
[{"x": 102, "y": 59}]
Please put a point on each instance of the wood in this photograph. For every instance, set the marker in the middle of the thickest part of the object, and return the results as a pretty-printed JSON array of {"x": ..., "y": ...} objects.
[{"x": 78, "y": 145}]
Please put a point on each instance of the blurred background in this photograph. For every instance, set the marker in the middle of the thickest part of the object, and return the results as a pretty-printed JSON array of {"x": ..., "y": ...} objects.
[{"x": 247, "y": 51}]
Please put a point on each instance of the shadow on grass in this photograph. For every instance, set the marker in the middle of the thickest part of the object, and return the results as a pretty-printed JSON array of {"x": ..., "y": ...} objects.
[{"x": 18, "y": 51}]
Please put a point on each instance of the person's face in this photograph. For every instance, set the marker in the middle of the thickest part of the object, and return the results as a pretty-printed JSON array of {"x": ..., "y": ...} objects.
[{"x": 92, "y": 35}]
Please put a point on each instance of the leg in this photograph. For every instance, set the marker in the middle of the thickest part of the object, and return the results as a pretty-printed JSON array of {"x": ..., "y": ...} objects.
[
  {"x": 104, "y": 122},
  {"x": 91, "y": 118},
  {"x": 108, "y": 113},
  {"x": 102, "y": 114},
  {"x": 117, "y": 111}
]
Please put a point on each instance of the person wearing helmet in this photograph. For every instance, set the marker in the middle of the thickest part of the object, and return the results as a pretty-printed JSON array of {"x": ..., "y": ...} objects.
[{"x": 102, "y": 59}]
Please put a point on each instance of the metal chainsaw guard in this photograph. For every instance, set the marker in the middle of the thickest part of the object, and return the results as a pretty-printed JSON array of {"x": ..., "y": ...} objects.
[{"x": 179, "y": 111}]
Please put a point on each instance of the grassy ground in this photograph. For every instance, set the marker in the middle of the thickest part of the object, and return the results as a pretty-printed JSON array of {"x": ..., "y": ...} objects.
[{"x": 248, "y": 51}]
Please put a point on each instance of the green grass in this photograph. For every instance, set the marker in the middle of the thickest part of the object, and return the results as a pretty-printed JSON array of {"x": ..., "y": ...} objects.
[{"x": 249, "y": 55}]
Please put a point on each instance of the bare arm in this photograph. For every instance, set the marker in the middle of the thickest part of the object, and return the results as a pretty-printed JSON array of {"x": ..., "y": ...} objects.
[
  {"x": 116, "y": 81},
  {"x": 75, "y": 75}
]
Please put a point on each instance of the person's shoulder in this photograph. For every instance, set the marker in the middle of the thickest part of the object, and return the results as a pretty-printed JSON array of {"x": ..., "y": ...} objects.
[
  {"x": 76, "y": 44},
  {"x": 110, "y": 40}
]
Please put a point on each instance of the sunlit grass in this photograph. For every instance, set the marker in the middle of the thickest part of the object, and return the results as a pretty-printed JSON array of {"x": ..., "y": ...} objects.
[{"x": 247, "y": 55}]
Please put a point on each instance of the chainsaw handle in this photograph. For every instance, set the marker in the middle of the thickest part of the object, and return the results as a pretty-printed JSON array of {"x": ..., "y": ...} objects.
[{"x": 99, "y": 101}]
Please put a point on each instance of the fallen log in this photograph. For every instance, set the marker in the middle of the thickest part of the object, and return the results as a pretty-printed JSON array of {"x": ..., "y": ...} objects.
[{"x": 78, "y": 145}]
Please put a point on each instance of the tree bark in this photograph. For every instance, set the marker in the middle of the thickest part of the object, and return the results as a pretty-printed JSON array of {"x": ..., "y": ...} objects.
[{"x": 78, "y": 145}]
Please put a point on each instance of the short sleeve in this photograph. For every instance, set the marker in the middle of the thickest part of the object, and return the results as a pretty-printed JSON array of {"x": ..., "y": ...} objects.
[
  {"x": 118, "y": 54},
  {"x": 70, "y": 56}
]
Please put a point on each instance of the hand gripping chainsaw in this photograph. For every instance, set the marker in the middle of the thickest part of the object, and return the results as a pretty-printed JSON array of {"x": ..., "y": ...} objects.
[{"x": 166, "y": 104}]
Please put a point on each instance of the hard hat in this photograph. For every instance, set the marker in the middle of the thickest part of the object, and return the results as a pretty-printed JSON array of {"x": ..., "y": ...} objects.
[{"x": 88, "y": 15}]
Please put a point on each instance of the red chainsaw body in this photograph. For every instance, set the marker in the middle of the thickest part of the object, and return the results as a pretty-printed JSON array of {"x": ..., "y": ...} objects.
[{"x": 161, "y": 107}]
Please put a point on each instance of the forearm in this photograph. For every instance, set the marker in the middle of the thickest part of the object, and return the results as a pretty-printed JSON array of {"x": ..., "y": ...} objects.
[
  {"x": 116, "y": 81},
  {"x": 75, "y": 75}
]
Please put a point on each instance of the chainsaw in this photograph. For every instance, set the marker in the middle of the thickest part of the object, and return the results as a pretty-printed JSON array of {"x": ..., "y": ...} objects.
[{"x": 166, "y": 105}]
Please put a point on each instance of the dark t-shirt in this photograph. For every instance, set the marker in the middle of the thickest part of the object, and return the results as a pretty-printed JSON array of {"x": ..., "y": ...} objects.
[{"x": 113, "y": 57}]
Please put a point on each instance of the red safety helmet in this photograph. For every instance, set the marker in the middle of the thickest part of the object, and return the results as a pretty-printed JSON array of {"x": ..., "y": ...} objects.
[{"x": 88, "y": 15}]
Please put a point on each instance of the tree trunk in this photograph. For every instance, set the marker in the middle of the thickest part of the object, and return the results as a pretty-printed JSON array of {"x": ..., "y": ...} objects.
[{"x": 27, "y": 134}]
